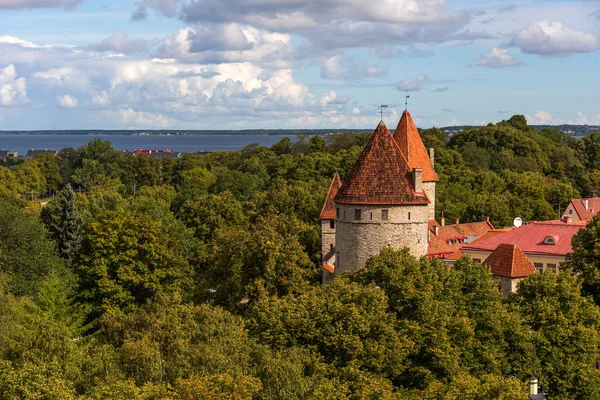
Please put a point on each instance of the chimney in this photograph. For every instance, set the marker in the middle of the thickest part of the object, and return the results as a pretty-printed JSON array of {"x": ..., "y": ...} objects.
[
  {"x": 457, "y": 221},
  {"x": 435, "y": 230},
  {"x": 443, "y": 220},
  {"x": 585, "y": 203},
  {"x": 432, "y": 155},
  {"x": 533, "y": 385},
  {"x": 566, "y": 219},
  {"x": 418, "y": 179}
]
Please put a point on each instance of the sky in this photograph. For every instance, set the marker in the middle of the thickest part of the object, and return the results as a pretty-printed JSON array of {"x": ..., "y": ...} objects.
[{"x": 250, "y": 64}]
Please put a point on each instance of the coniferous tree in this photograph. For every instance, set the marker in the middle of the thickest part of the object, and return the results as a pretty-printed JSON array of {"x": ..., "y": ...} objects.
[{"x": 65, "y": 225}]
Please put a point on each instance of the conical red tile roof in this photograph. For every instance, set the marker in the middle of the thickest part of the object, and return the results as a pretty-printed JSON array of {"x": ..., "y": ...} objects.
[
  {"x": 328, "y": 210},
  {"x": 381, "y": 175},
  {"x": 509, "y": 260},
  {"x": 412, "y": 147}
]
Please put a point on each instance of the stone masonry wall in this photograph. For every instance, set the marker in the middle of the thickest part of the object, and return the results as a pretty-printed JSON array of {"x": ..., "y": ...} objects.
[
  {"x": 357, "y": 241},
  {"x": 327, "y": 243},
  {"x": 429, "y": 188},
  {"x": 327, "y": 237}
]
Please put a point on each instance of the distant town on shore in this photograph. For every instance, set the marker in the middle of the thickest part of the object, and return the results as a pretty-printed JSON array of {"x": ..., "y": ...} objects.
[{"x": 572, "y": 130}]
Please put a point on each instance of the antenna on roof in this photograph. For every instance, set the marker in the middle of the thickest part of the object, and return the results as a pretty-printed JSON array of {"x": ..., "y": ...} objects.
[
  {"x": 406, "y": 101},
  {"x": 381, "y": 107}
]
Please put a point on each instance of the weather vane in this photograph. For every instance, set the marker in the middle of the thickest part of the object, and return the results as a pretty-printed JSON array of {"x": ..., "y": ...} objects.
[
  {"x": 381, "y": 107},
  {"x": 406, "y": 101}
]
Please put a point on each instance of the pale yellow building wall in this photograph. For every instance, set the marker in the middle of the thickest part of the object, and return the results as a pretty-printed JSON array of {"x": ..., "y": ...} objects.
[
  {"x": 545, "y": 260},
  {"x": 358, "y": 240},
  {"x": 507, "y": 285},
  {"x": 571, "y": 213}
]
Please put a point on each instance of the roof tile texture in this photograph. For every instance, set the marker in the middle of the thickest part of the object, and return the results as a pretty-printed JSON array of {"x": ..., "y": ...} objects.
[
  {"x": 439, "y": 244},
  {"x": 508, "y": 260},
  {"x": 412, "y": 147},
  {"x": 530, "y": 238},
  {"x": 593, "y": 206},
  {"x": 381, "y": 175},
  {"x": 328, "y": 210}
]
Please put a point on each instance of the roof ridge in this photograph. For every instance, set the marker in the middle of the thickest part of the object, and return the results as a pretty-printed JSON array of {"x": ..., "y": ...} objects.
[
  {"x": 328, "y": 209},
  {"x": 380, "y": 174},
  {"x": 411, "y": 145}
]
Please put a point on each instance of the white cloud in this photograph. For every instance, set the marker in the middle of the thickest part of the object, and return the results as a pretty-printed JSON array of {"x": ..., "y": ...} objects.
[
  {"x": 340, "y": 67},
  {"x": 101, "y": 99},
  {"x": 67, "y": 101},
  {"x": 63, "y": 77},
  {"x": 120, "y": 42},
  {"x": 228, "y": 43},
  {"x": 138, "y": 119},
  {"x": 13, "y": 90},
  {"x": 166, "y": 7},
  {"x": 413, "y": 84},
  {"x": 497, "y": 58},
  {"x": 17, "y": 4},
  {"x": 542, "y": 118},
  {"x": 330, "y": 24},
  {"x": 549, "y": 38},
  {"x": 583, "y": 119}
]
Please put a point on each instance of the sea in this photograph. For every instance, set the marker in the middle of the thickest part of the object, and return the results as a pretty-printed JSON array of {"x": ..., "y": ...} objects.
[{"x": 177, "y": 143}]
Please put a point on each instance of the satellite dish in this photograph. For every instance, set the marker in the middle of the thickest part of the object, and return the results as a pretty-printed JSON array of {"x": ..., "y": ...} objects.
[{"x": 517, "y": 222}]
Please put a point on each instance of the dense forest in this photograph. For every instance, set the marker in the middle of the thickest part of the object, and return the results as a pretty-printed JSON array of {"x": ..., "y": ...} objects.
[{"x": 198, "y": 278}]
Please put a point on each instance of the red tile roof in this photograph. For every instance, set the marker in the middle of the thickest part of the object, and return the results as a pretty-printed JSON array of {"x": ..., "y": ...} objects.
[
  {"x": 586, "y": 214},
  {"x": 381, "y": 175},
  {"x": 530, "y": 238},
  {"x": 450, "y": 238},
  {"x": 328, "y": 210},
  {"x": 508, "y": 260},
  {"x": 412, "y": 147},
  {"x": 458, "y": 254}
]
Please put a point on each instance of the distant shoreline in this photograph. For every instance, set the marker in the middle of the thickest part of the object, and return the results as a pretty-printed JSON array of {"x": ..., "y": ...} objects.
[
  {"x": 245, "y": 132},
  {"x": 572, "y": 130}
]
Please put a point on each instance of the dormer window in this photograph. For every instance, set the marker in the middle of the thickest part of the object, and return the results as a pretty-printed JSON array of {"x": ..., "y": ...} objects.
[{"x": 550, "y": 240}]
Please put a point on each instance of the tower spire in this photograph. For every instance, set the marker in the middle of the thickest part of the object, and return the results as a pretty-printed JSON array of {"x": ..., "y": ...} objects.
[{"x": 406, "y": 101}]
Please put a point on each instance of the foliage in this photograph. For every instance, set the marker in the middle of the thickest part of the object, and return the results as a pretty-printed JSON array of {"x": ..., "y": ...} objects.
[{"x": 199, "y": 277}]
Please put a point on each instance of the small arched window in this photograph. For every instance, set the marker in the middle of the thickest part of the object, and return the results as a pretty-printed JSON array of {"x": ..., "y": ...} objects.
[{"x": 550, "y": 240}]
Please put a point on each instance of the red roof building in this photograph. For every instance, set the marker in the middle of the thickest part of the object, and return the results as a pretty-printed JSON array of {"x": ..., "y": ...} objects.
[
  {"x": 582, "y": 209},
  {"x": 381, "y": 175},
  {"x": 509, "y": 265},
  {"x": 546, "y": 244},
  {"x": 446, "y": 240},
  {"x": 412, "y": 147},
  {"x": 328, "y": 210},
  {"x": 509, "y": 260}
]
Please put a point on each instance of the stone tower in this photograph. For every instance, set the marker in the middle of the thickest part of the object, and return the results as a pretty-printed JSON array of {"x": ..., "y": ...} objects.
[
  {"x": 412, "y": 147},
  {"x": 382, "y": 203},
  {"x": 328, "y": 229}
]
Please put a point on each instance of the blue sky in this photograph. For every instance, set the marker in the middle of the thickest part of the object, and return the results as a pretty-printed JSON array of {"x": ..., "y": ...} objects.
[{"x": 235, "y": 64}]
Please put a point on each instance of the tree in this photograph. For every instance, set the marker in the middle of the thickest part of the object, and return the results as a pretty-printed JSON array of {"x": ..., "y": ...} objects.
[
  {"x": 64, "y": 224},
  {"x": 208, "y": 213},
  {"x": 345, "y": 324},
  {"x": 267, "y": 260},
  {"x": 565, "y": 329},
  {"x": 454, "y": 315},
  {"x": 27, "y": 255},
  {"x": 50, "y": 169},
  {"x": 126, "y": 258},
  {"x": 585, "y": 258}
]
